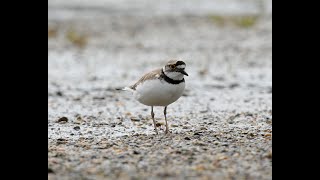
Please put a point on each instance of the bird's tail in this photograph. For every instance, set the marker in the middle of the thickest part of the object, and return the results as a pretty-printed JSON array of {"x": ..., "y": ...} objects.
[{"x": 125, "y": 89}]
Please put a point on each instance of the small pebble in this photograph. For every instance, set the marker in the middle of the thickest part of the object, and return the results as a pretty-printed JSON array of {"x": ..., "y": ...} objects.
[
  {"x": 135, "y": 119},
  {"x": 216, "y": 142},
  {"x": 136, "y": 152},
  {"x": 197, "y": 134},
  {"x": 59, "y": 93},
  {"x": 225, "y": 144},
  {"x": 62, "y": 120},
  {"x": 158, "y": 124},
  {"x": 50, "y": 170}
]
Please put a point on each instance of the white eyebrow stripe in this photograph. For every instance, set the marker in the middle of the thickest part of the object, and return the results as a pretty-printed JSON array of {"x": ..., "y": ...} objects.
[{"x": 181, "y": 66}]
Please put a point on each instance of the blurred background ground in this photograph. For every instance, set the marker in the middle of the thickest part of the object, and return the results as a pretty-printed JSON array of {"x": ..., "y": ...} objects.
[{"x": 221, "y": 127}]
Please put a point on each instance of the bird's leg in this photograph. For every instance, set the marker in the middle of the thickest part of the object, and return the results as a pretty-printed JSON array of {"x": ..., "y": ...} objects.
[
  {"x": 154, "y": 122},
  {"x": 165, "y": 117}
]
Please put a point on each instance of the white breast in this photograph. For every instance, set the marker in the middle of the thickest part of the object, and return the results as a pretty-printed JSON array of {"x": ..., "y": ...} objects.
[{"x": 158, "y": 93}]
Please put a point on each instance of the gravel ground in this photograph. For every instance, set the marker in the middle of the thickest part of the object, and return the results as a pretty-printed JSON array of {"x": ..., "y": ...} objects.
[{"x": 221, "y": 128}]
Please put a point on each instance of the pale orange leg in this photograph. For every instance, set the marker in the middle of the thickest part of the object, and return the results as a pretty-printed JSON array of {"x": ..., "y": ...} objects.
[
  {"x": 165, "y": 117},
  {"x": 154, "y": 122}
]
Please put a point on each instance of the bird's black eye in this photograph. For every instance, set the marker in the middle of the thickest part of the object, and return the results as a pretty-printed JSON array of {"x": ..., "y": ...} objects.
[{"x": 172, "y": 66}]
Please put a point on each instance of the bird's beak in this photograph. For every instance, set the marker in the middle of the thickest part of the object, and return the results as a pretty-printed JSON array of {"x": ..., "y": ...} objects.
[{"x": 183, "y": 72}]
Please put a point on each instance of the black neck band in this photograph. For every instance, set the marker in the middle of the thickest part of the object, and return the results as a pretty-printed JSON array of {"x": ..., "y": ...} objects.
[{"x": 169, "y": 80}]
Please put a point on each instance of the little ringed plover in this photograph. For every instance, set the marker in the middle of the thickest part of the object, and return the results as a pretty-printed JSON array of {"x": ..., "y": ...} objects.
[{"x": 160, "y": 87}]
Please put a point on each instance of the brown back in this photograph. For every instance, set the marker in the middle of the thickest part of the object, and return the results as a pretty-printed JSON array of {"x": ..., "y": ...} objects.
[{"x": 151, "y": 75}]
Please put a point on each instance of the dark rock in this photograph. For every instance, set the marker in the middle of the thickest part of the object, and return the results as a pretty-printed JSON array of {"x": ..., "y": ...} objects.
[
  {"x": 225, "y": 144},
  {"x": 158, "y": 124},
  {"x": 197, "y": 134},
  {"x": 62, "y": 120},
  {"x": 249, "y": 114},
  {"x": 61, "y": 141},
  {"x": 50, "y": 170},
  {"x": 135, "y": 119},
  {"x": 187, "y": 138},
  {"x": 59, "y": 93},
  {"x": 77, "y": 128},
  {"x": 136, "y": 152}
]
